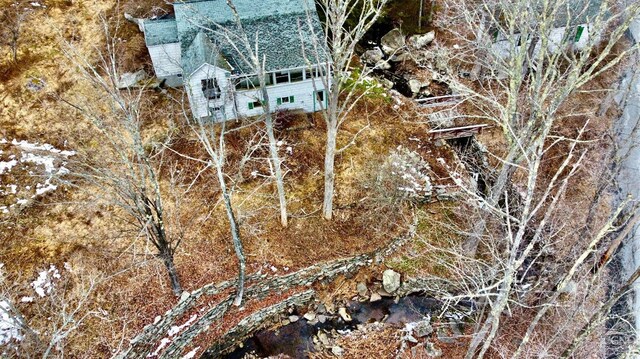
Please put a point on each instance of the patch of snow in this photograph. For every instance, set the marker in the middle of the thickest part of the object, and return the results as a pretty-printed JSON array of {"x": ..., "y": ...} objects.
[
  {"x": 191, "y": 354},
  {"x": 26, "y": 299},
  {"x": 163, "y": 343},
  {"x": 44, "y": 188},
  {"x": 178, "y": 328},
  {"x": 7, "y": 166},
  {"x": 22, "y": 202},
  {"x": 157, "y": 319},
  {"x": 46, "y": 161},
  {"x": 9, "y": 325},
  {"x": 43, "y": 285}
]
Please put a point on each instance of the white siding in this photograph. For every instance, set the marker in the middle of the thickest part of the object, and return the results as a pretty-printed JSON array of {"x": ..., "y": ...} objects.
[
  {"x": 200, "y": 105},
  {"x": 303, "y": 93},
  {"x": 166, "y": 59},
  {"x": 502, "y": 48}
]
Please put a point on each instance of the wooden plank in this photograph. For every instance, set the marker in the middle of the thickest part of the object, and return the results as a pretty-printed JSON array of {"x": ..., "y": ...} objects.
[{"x": 457, "y": 132}]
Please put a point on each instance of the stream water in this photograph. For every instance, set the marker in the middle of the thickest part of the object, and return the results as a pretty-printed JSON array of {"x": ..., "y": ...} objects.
[{"x": 296, "y": 339}]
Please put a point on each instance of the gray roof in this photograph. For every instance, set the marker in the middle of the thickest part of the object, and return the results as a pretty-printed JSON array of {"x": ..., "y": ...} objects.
[
  {"x": 202, "y": 51},
  {"x": 159, "y": 32},
  {"x": 276, "y": 24},
  {"x": 278, "y": 40},
  {"x": 191, "y": 13}
]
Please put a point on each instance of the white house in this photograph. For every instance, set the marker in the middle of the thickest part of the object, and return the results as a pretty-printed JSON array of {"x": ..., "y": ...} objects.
[
  {"x": 572, "y": 30},
  {"x": 188, "y": 49}
]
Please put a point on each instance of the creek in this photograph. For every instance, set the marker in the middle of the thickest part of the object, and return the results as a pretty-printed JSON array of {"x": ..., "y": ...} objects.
[{"x": 297, "y": 339}]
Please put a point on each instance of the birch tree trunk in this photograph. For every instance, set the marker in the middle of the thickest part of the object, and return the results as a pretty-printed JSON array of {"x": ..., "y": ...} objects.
[
  {"x": 329, "y": 172},
  {"x": 235, "y": 235},
  {"x": 338, "y": 43},
  {"x": 276, "y": 163}
]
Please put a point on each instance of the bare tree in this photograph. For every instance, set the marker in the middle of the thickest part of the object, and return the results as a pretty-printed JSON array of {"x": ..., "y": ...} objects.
[
  {"x": 130, "y": 174},
  {"x": 211, "y": 136},
  {"x": 531, "y": 59},
  {"x": 12, "y": 17},
  {"x": 337, "y": 43},
  {"x": 41, "y": 324},
  {"x": 249, "y": 53}
]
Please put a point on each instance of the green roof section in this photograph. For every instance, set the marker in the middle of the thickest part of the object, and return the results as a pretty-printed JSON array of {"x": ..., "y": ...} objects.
[{"x": 160, "y": 32}]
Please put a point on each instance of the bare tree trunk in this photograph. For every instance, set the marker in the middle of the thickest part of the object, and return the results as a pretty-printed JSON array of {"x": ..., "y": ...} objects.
[
  {"x": 420, "y": 15},
  {"x": 329, "y": 174},
  {"x": 235, "y": 235},
  {"x": 277, "y": 168},
  {"x": 167, "y": 259},
  {"x": 597, "y": 318}
]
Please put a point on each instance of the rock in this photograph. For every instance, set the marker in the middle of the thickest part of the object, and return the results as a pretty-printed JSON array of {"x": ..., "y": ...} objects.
[
  {"x": 293, "y": 318},
  {"x": 285, "y": 322},
  {"x": 321, "y": 309},
  {"x": 422, "y": 329},
  {"x": 382, "y": 65},
  {"x": 184, "y": 296},
  {"x": 420, "y": 41},
  {"x": 375, "y": 297},
  {"x": 322, "y": 318},
  {"x": 131, "y": 79},
  {"x": 386, "y": 83},
  {"x": 392, "y": 41},
  {"x": 390, "y": 280},
  {"x": 344, "y": 315},
  {"x": 383, "y": 293},
  {"x": 309, "y": 316},
  {"x": 415, "y": 86},
  {"x": 337, "y": 351},
  {"x": 431, "y": 350},
  {"x": 400, "y": 57},
  {"x": 372, "y": 56},
  {"x": 410, "y": 338},
  {"x": 420, "y": 85},
  {"x": 330, "y": 308},
  {"x": 362, "y": 289},
  {"x": 322, "y": 337},
  {"x": 444, "y": 336}
]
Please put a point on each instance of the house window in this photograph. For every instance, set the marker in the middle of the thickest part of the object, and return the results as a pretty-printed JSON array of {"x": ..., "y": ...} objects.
[
  {"x": 211, "y": 89},
  {"x": 246, "y": 83},
  {"x": 495, "y": 34},
  {"x": 287, "y": 99},
  {"x": 309, "y": 74},
  {"x": 320, "y": 96},
  {"x": 282, "y": 77},
  {"x": 255, "y": 104},
  {"x": 296, "y": 76},
  {"x": 579, "y": 32}
]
